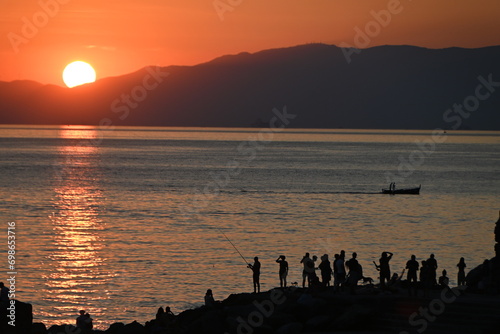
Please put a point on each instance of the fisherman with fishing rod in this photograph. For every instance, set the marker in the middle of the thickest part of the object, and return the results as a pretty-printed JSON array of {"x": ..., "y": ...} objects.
[
  {"x": 256, "y": 274},
  {"x": 255, "y": 266}
]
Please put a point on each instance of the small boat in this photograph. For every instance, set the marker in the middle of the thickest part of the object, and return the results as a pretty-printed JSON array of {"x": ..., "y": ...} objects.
[{"x": 407, "y": 191}]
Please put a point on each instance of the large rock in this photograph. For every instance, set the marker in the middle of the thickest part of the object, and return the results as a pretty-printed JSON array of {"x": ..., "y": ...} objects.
[
  {"x": 19, "y": 314},
  {"x": 38, "y": 328},
  {"x": 133, "y": 328},
  {"x": 63, "y": 329},
  {"x": 115, "y": 328}
]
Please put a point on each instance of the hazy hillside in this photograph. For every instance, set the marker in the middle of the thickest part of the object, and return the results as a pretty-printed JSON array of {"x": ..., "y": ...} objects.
[{"x": 383, "y": 87}]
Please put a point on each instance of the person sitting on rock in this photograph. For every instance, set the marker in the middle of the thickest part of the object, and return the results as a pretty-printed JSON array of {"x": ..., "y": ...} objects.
[
  {"x": 169, "y": 315},
  {"x": 84, "y": 322},
  {"x": 80, "y": 321},
  {"x": 88, "y": 323},
  {"x": 444, "y": 281},
  {"x": 209, "y": 298}
]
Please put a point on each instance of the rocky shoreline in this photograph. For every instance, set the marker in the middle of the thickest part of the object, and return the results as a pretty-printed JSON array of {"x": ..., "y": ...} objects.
[
  {"x": 320, "y": 310},
  {"x": 471, "y": 308}
]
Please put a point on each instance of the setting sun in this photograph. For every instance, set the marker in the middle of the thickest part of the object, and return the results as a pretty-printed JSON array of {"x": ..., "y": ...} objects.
[{"x": 78, "y": 73}]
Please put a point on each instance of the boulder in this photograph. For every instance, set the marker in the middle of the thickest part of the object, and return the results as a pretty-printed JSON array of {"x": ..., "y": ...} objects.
[
  {"x": 17, "y": 317},
  {"x": 63, "y": 329},
  {"x": 133, "y": 328},
  {"x": 115, "y": 328},
  {"x": 38, "y": 328}
]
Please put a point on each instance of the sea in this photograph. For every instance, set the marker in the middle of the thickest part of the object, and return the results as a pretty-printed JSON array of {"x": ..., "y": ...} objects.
[{"x": 123, "y": 220}]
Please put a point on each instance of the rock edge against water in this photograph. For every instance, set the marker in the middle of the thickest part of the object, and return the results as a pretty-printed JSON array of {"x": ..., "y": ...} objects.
[{"x": 296, "y": 310}]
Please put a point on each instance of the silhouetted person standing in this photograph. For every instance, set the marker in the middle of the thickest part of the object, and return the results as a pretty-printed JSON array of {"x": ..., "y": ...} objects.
[
  {"x": 312, "y": 273},
  {"x": 256, "y": 274},
  {"x": 432, "y": 266},
  {"x": 412, "y": 266},
  {"x": 283, "y": 270},
  {"x": 338, "y": 271},
  {"x": 307, "y": 262},
  {"x": 326, "y": 270},
  {"x": 461, "y": 271},
  {"x": 385, "y": 270},
  {"x": 355, "y": 272},
  {"x": 425, "y": 278}
]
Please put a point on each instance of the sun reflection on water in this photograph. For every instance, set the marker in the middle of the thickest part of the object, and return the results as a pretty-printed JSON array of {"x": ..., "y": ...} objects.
[{"x": 77, "y": 277}]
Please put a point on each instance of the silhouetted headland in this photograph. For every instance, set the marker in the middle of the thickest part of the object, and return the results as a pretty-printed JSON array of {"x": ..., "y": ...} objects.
[{"x": 405, "y": 87}]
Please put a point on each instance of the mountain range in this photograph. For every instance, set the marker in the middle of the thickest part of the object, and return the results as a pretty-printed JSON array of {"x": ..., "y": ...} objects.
[{"x": 324, "y": 86}]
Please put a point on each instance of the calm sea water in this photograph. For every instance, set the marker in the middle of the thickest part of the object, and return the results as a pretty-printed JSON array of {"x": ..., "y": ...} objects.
[{"x": 123, "y": 221}]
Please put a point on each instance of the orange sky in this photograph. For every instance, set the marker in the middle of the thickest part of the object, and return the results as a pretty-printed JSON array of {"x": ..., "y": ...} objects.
[{"x": 121, "y": 36}]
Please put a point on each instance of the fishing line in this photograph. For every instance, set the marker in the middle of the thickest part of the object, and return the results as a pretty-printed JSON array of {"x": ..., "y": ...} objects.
[{"x": 233, "y": 246}]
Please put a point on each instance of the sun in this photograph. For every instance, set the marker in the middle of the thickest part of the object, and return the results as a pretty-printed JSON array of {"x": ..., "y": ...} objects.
[{"x": 78, "y": 73}]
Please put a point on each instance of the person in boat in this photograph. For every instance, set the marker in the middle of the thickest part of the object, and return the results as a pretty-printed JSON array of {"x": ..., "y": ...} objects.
[
  {"x": 385, "y": 270},
  {"x": 412, "y": 266},
  {"x": 256, "y": 274},
  {"x": 326, "y": 270},
  {"x": 283, "y": 270},
  {"x": 461, "y": 271}
]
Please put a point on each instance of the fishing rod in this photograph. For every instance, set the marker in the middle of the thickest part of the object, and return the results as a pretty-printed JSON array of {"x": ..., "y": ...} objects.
[{"x": 233, "y": 246}]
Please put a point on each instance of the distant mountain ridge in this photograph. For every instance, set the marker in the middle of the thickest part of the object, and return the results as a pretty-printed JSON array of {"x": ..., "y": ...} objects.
[{"x": 403, "y": 87}]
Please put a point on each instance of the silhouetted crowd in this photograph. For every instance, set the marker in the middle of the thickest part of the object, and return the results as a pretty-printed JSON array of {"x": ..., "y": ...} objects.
[{"x": 348, "y": 273}]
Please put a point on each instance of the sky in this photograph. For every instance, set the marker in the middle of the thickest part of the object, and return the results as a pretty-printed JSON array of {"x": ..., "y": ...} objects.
[{"x": 40, "y": 37}]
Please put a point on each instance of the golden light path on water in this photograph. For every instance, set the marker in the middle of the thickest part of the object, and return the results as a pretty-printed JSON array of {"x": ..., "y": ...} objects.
[{"x": 76, "y": 267}]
